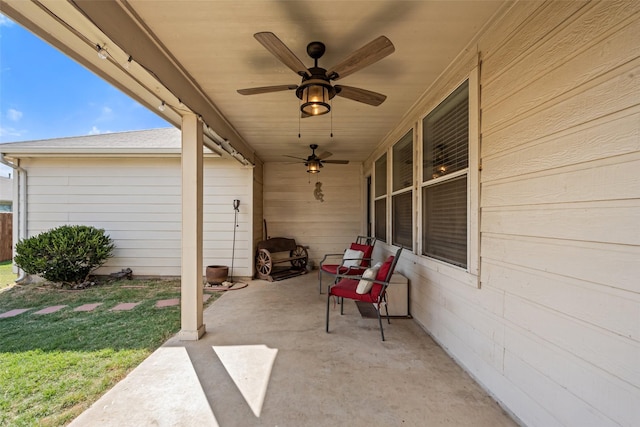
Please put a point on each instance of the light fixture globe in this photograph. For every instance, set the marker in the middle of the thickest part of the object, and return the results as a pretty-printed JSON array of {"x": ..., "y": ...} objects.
[
  {"x": 315, "y": 95},
  {"x": 313, "y": 166}
]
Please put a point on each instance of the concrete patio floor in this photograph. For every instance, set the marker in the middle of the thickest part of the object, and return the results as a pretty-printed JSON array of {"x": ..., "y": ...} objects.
[{"x": 267, "y": 361}]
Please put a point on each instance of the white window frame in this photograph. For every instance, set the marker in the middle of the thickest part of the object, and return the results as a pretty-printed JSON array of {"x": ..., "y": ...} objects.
[
  {"x": 385, "y": 196},
  {"x": 408, "y": 189},
  {"x": 470, "y": 274}
]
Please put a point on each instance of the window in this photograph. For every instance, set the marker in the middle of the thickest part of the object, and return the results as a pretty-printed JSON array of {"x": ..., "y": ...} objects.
[
  {"x": 444, "y": 206},
  {"x": 381, "y": 176},
  {"x": 402, "y": 205},
  {"x": 380, "y": 203},
  {"x": 445, "y": 170},
  {"x": 381, "y": 219},
  {"x": 402, "y": 196}
]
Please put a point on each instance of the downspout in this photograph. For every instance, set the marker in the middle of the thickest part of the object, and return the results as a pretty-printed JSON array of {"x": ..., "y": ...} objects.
[{"x": 20, "y": 203}]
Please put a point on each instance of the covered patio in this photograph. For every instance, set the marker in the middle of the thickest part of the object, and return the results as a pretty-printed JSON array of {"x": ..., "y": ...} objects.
[
  {"x": 506, "y": 160},
  {"x": 267, "y": 360}
]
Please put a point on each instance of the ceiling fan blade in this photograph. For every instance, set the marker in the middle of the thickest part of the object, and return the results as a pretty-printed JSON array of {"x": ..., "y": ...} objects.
[
  {"x": 266, "y": 89},
  {"x": 294, "y": 157},
  {"x": 337, "y": 162},
  {"x": 324, "y": 155},
  {"x": 280, "y": 50},
  {"x": 363, "y": 57},
  {"x": 360, "y": 95}
]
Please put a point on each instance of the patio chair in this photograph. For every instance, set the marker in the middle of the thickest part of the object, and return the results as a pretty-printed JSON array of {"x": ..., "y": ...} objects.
[
  {"x": 370, "y": 287},
  {"x": 351, "y": 262}
]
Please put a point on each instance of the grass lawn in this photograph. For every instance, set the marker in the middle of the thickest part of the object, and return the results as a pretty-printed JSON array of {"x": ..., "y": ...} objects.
[
  {"x": 54, "y": 366},
  {"x": 6, "y": 274}
]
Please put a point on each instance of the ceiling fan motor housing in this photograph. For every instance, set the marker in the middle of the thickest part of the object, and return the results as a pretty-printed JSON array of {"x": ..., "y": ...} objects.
[{"x": 313, "y": 163}]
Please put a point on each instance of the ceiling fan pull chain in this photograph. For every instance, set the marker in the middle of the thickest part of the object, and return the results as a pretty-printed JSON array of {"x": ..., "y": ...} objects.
[
  {"x": 299, "y": 119},
  {"x": 331, "y": 118}
]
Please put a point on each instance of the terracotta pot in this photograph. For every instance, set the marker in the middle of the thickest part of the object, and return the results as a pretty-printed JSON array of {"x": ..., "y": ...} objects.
[{"x": 216, "y": 274}]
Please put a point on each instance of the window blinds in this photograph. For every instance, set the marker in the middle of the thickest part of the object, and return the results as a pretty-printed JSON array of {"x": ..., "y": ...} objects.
[
  {"x": 381, "y": 176},
  {"x": 446, "y": 136},
  {"x": 402, "y": 208},
  {"x": 403, "y": 162},
  {"x": 381, "y": 219},
  {"x": 445, "y": 221}
]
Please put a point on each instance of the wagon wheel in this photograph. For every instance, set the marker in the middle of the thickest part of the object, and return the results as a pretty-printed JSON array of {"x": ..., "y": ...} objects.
[
  {"x": 264, "y": 263},
  {"x": 299, "y": 251}
]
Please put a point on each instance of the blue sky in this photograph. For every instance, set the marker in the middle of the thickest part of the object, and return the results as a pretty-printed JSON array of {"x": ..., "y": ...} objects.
[{"x": 44, "y": 94}]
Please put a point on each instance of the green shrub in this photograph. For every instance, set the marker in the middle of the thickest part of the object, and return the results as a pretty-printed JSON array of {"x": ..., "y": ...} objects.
[{"x": 67, "y": 254}]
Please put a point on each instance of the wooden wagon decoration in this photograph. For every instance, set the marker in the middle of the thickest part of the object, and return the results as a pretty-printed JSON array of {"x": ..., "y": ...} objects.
[{"x": 279, "y": 258}]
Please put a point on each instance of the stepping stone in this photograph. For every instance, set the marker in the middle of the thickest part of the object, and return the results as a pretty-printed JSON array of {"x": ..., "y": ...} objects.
[
  {"x": 168, "y": 302},
  {"x": 125, "y": 306},
  {"x": 88, "y": 307},
  {"x": 13, "y": 313},
  {"x": 51, "y": 309}
]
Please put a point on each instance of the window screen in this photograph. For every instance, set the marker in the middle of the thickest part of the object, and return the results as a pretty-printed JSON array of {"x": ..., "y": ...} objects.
[
  {"x": 445, "y": 225},
  {"x": 381, "y": 176},
  {"x": 403, "y": 162},
  {"x": 402, "y": 208},
  {"x": 381, "y": 219},
  {"x": 446, "y": 136}
]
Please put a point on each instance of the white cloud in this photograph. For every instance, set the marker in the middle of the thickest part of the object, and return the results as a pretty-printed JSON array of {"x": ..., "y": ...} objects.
[
  {"x": 14, "y": 115},
  {"x": 4, "y": 21},
  {"x": 6, "y": 132},
  {"x": 94, "y": 131},
  {"x": 106, "y": 115}
]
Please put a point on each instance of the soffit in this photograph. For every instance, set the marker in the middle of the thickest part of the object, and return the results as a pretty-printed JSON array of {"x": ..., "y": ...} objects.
[{"x": 212, "y": 46}]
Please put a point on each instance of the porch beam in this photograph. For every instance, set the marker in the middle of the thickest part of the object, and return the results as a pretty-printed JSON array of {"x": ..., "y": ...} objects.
[
  {"x": 191, "y": 288},
  {"x": 119, "y": 21}
]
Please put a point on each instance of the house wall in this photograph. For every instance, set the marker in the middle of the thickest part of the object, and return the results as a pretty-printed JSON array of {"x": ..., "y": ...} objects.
[
  {"x": 6, "y": 193},
  {"x": 258, "y": 208},
  {"x": 291, "y": 209},
  {"x": 137, "y": 201},
  {"x": 553, "y": 329}
]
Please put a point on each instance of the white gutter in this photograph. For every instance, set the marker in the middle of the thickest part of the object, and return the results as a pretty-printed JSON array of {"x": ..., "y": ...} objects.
[
  {"x": 20, "y": 207},
  {"x": 224, "y": 145}
]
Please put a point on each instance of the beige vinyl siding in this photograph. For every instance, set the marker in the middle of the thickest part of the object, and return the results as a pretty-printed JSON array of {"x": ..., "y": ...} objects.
[
  {"x": 224, "y": 181},
  {"x": 291, "y": 209},
  {"x": 561, "y": 209},
  {"x": 6, "y": 190},
  {"x": 554, "y": 330},
  {"x": 258, "y": 209},
  {"x": 137, "y": 202}
]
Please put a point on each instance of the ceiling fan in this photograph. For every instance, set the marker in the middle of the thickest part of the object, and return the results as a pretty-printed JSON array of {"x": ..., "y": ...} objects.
[
  {"x": 316, "y": 89},
  {"x": 315, "y": 162}
]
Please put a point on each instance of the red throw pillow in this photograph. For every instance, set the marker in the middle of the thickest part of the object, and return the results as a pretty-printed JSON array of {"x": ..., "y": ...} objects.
[
  {"x": 367, "y": 251},
  {"x": 384, "y": 269}
]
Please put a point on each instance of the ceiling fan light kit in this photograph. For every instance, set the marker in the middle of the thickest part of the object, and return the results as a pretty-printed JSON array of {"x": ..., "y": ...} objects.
[
  {"x": 315, "y": 95},
  {"x": 315, "y": 162},
  {"x": 313, "y": 166}
]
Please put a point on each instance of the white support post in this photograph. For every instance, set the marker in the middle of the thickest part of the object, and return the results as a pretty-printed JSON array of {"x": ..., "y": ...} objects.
[{"x": 191, "y": 323}]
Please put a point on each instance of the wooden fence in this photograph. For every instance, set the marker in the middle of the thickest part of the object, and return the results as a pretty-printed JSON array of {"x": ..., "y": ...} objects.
[{"x": 6, "y": 236}]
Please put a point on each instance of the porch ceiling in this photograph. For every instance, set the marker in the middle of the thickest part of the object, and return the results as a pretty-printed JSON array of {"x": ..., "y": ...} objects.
[{"x": 203, "y": 51}]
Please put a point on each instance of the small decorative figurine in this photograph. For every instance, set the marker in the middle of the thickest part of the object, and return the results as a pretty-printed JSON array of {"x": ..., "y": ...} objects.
[{"x": 317, "y": 193}]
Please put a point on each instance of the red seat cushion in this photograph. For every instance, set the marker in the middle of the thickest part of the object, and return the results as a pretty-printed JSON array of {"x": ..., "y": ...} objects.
[
  {"x": 346, "y": 288},
  {"x": 384, "y": 269},
  {"x": 367, "y": 251}
]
